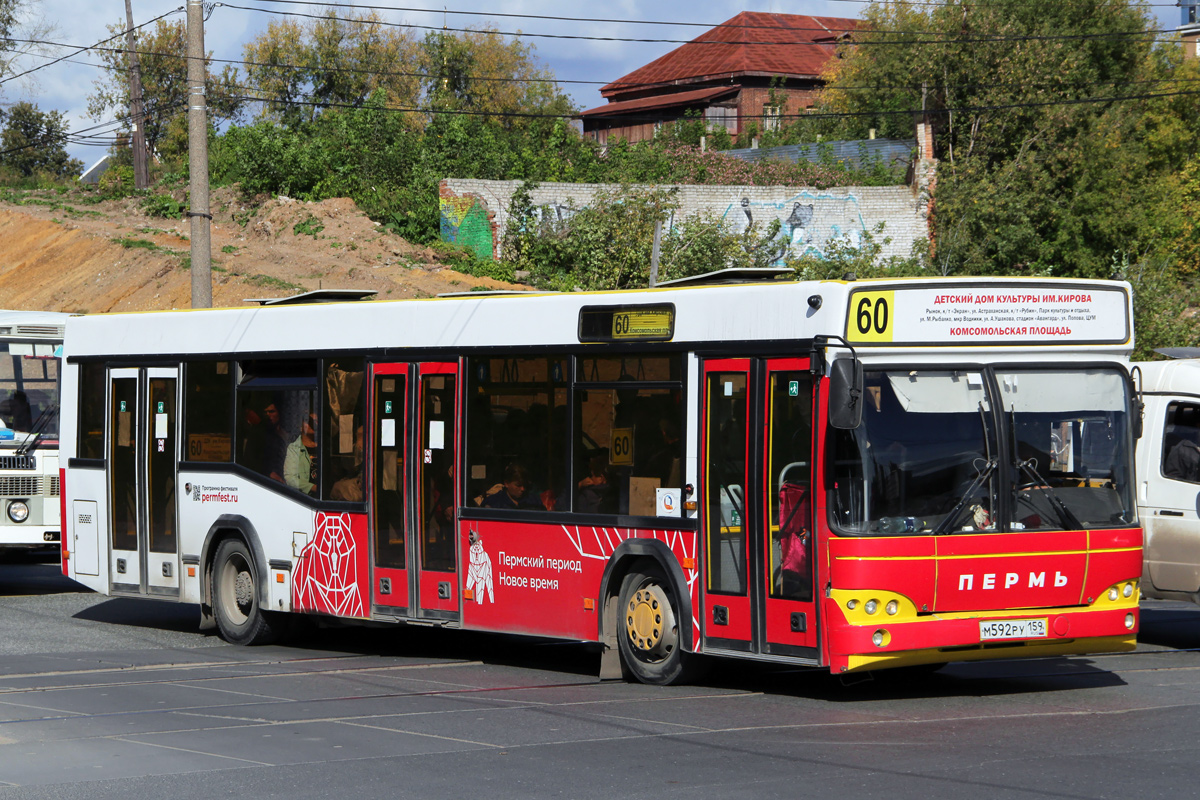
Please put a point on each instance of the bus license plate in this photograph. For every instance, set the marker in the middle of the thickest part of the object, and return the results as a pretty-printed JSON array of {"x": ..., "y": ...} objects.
[{"x": 1012, "y": 629}]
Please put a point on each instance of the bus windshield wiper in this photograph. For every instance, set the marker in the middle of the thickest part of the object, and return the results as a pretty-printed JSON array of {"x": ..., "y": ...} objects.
[
  {"x": 1066, "y": 519},
  {"x": 950, "y": 519},
  {"x": 37, "y": 429}
]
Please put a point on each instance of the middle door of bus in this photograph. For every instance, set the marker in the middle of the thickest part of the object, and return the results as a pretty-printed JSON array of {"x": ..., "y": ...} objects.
[
  {"x": 143, "y": 535},
  {"x": 757, "y": 507},
  {"x": 413, "y": 489}
]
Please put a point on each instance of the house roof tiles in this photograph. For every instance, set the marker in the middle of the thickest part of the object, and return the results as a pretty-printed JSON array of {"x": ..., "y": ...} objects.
[
  {"x": 660, "y": 101},
  {"x": 750, "y": 43}
]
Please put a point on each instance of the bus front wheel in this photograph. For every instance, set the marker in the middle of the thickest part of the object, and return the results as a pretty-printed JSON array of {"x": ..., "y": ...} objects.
[
  {"x": 648, "y": 628},
  {"x": 235, "y": 597}
]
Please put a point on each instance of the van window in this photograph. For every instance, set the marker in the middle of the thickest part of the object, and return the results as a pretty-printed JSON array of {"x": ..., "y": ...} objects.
[{"x": 1181, "y": 443}]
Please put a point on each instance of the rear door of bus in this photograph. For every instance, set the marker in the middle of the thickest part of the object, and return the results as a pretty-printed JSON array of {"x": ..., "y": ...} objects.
[
  {"x": 757, "y": 507},
  {"x": 413, "y": 489},
  {"x": 143, "y": 439}
]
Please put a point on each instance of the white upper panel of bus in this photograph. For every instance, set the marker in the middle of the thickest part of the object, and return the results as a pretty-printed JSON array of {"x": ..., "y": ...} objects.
[{"x": 900, "y": 315}]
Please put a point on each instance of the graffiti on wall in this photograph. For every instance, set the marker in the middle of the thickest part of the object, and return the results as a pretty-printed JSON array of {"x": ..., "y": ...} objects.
[
  {"x": 810, "y": 222},
  {"x": 464, "y": 221}
]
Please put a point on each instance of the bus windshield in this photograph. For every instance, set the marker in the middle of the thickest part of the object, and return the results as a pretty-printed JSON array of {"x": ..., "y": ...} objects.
[
  {"x": 1070, "y": 446},
  {"x": 29, "y": 378},
  {"x": 937, "y": 450}
]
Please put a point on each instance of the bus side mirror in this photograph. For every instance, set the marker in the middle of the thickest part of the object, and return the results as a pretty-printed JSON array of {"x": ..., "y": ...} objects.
[
  {"x": 1139, "y": 405},
  {"x": 845, "y": 393}
]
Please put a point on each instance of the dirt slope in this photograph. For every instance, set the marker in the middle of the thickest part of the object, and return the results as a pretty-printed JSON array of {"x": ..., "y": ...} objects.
[{"x": 57, "y": 254}]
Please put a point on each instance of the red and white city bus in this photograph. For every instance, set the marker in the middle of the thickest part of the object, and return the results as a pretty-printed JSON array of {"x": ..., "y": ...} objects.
[{"x": 851, "y": 475}]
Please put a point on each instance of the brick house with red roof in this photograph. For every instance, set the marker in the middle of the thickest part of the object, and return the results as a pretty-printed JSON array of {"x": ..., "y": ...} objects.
[{"x": 725, "y": 74}]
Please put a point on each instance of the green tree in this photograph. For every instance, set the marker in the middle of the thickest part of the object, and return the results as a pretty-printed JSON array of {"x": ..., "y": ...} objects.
[
  {"x": 33, "y": 142},
  {"x": 479, "y": 70},
  {"x": 343, "y": 58},
  {"x": 164, "y": 87},
  {"x": 1039, "y": 172}
]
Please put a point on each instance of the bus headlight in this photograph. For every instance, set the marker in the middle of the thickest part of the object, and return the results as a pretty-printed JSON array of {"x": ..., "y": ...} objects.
[
  {"x": 1128, "y": 590},
  {"x": 1129, "y": 621},
  {"x": 871, "y": 606},
  {"x": 18, "y": 511},
  {"x": 1112, "y": 593},
  {"x": 892, "y": 607}
]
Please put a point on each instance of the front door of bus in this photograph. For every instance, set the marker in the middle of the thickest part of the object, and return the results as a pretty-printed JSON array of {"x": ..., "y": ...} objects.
[
  {"x": 142, "y": 456},
  {"x": 414, "y": 486},
  {"x": 758, "y": 520}
]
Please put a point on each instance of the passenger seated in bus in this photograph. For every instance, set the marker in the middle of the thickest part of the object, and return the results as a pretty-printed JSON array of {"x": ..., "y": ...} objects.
[
  {"x": 512, "y": 492},
  {"x": 595, "y": 495},
  {"x": 300, "y": 463},
  {"x": 265, "y": 442},
  {"x": 1183, "y": 460}
]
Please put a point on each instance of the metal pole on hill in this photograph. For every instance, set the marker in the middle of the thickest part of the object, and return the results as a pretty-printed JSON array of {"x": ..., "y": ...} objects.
[
  {"x": 198, "y": 159},
  {"x": 141, "y": 176}
]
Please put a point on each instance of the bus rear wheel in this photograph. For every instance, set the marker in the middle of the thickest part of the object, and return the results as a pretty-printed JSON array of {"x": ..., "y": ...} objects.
[
  {"x": 648, "y": 628},
  {"x": 235, "y": 597}
]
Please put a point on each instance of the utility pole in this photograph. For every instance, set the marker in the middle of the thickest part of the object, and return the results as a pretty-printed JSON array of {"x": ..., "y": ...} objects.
[
  {"x": 654, "y": 251},
  {"x": 198, "y": 159},
  {"x": 141, "y": 176}
]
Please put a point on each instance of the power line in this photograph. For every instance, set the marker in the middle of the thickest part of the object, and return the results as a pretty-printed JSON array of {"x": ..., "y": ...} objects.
[
  {"x": 393, "y": 73},
  {"x": 77, "y": 137},
  {"x": 675, "y": 23},
  {"x": 119, "y": 69},
  {"x": 1152, "y": 33},
  {"x": 808, "y": 116},
  {"x": 82, "y": 49}
]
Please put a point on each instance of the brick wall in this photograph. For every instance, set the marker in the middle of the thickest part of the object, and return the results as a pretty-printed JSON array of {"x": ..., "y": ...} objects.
[{"x": 812, "y": 218}]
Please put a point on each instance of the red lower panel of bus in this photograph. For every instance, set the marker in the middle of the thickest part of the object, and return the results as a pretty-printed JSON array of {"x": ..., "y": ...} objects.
[
  {"x": 545, "y": 579},
  {"x": 989, "y": 571},
  {"x": 331, "y": 573},
  {"x": 437, "y": 592},
  {"x": 396, "y": 582}
]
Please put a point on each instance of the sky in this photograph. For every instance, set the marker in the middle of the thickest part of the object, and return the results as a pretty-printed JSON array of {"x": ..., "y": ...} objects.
[{"x": 66, "y": 86}]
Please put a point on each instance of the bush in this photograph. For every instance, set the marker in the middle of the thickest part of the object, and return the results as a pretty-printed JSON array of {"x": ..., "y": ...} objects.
[
  {"x": 117, "y": 181},
  {"x": 465, "y": 260},
  {"x": 163, "y": 205}
]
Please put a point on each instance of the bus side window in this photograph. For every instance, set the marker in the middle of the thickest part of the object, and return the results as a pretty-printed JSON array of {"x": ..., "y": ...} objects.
[
  {"x": 91, "y": 411},
  {"x": 1181, "y": 443},
  {"x": 628, "y": 440},
  {"x": 342, "y": 448},
  {"x": 208, "y": 411},
  {"x": 276, "y": 429},
  {"x": 517, "y": 433}
]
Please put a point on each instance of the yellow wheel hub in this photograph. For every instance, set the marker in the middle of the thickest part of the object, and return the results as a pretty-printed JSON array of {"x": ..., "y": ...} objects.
[{"x": 647, "y": 618}]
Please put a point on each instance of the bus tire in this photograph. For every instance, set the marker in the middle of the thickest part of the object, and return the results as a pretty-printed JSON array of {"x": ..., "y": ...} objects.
[
  {"x": 648, "y": 627},
  {"x": 235, "y": 597}
]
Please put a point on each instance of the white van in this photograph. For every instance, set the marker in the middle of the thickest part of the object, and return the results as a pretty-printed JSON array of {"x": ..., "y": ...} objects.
[{"x": 1168, "y": 475}]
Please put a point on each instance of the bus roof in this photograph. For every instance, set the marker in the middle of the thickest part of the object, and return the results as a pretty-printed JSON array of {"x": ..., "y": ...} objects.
[{"x": 988, "y": 313}]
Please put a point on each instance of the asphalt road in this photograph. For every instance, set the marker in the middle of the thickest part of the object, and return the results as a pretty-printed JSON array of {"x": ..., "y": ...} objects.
[{"x": 118, "y": 698}]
